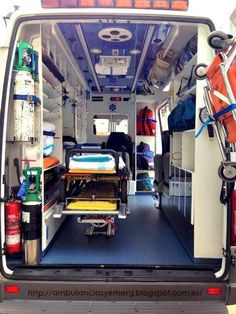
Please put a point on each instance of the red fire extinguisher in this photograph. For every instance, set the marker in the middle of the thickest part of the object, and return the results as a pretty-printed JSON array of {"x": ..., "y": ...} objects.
[{"x": 13, "y": 227}]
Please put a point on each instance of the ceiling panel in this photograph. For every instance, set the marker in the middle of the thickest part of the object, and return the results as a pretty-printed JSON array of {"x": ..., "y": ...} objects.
[{"x": 89, "y": 41}]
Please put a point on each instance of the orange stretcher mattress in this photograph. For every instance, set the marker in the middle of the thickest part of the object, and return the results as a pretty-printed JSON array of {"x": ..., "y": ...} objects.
[{"x": 49, "y": 162}]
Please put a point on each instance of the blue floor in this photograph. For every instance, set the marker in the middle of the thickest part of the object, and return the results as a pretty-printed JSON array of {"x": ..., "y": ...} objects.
[{"x": 144, "y": 238}]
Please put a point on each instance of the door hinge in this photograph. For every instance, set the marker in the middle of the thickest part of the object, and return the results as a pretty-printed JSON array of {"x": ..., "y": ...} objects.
[
  {"x": 3, "y": 250},
  {"x": 229, "y": 256},
  {"x": 5, "y": 197}
]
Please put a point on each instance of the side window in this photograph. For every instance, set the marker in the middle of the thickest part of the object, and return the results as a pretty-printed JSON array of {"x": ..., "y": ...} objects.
[{"x": 104, "y": 124}]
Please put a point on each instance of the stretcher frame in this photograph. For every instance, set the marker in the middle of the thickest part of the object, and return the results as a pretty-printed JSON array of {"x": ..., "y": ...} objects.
[
  {"x": 98, "y": 219},
  {"x": 227, "y": 169}
]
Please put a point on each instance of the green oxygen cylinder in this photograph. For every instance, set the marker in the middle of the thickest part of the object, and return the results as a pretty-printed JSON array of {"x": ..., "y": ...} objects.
[
  {"x": 24, "y": 57},
  {"x": 32, "y": 216},
  {"x": 32, "y": 177}
]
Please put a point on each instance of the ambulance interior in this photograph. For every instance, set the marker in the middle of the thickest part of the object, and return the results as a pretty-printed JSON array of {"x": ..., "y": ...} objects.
[{"x": 93, "y": 81}]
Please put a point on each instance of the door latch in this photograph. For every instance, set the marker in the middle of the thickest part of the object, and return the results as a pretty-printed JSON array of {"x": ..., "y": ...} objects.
[{"x": 230, "y": 256}]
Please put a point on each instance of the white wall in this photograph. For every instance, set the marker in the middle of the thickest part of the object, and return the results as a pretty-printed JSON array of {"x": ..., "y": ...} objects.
[{"x": 126, "y": 108}]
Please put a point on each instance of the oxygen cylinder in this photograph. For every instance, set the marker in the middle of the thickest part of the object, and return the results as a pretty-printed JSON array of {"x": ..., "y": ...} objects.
[
  {"x": 24, "y": 93},
  {"x": 32, "y": 216},
  {"x": 23, "y": 106},
  {"x": 13, "y": 227},
  {"x": 37, "y": 119},
  {"x": 24, "y": 57},
  {"x": 31, "y": 231}
]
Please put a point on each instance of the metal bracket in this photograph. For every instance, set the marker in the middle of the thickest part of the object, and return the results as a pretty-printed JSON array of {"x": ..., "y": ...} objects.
[
  {"x": 229, "y": 256},
  {"x": 3, "y": 250}
]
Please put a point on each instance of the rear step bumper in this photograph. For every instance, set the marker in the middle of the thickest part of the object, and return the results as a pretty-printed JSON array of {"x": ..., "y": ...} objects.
[
  {"x": 112, "y": 274},
  {"x": 114, "y": 291}
]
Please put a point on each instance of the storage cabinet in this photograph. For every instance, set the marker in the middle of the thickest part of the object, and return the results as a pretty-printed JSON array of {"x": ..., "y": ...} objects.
[
  {"x": 184, "y": 82},
  {"x": 181, "y": 191},
  {"x": 144, "y": 174},
  {"x": 191, "y": 160},
  {"x": 57, "y": 74},
  {"x": 182, "y": 148}
]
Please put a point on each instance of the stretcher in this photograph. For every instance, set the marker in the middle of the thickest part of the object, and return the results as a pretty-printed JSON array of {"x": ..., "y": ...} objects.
[
  {"x": 94, "y": 187},
  {"x": 220, "y": 99}
]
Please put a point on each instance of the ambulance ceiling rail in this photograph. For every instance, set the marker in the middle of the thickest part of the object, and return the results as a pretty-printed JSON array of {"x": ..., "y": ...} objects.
[
  {"x": 148, "y": 39},
  {"x": 174, "y": 33},
  {"x": 80, "y": 34},
  {"x": 64, "y": 46}
]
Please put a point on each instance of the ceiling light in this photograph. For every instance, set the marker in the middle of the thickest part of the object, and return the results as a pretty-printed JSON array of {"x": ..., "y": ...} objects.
[
  {"x": 167, "y": 87},
  {"x": 96, "y": 51},
  {"x": 135, "y": 52},
  {"x": 116, "y": 86}
]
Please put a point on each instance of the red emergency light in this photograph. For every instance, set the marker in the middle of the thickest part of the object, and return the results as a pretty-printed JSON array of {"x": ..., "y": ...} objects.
[
  {"x": 11, "y": 289},
  {"x": 115, "y": 98},
  {"x": 214, "y": 291},
  {"x": 179, "y": 5}
]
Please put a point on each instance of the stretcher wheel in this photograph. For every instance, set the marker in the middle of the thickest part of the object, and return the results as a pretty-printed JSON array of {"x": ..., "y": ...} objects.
[
  {"x": 203, "y": 114},
  {"x": 200, "y": 71},
  {"x": 227, "y": 173},
  {"x": 217, "y": 40}
]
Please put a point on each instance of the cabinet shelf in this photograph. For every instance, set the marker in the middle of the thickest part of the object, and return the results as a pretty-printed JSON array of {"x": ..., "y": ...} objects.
[
  {"x": 183, "y": 150},
  {"x": 152, "y": 136},
  {"x": 44, "y": 170},
  {"x": 192, "y": 90},
  {"x": 186, "y": 131},
  {"x": 146, "y": 100},
  {"x": 53, "y": 68},
  {"x": 50, "y": 91},
  {"x": 144, "y": 192},
  {"x": 50, "y": 104},
  {"x": 181, "y": 168},
  {"x": 187, "y": 68},
  {"x": 49, "y": 77},
  {"x": 143, "y": 170},
  {"x": 50, "y": 116}
]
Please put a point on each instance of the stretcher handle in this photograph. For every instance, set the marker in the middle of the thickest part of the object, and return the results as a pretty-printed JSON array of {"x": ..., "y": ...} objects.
[{"x": 71, "y": 152}]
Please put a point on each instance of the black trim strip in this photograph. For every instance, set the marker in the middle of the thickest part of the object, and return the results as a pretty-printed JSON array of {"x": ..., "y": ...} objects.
[{"x": 112, "y": 274}]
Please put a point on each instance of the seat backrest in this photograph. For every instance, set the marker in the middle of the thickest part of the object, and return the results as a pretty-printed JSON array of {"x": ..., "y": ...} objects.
[
  {"x": 126, "y": 159},
  {"x": 121, "y": 142},
  {"x": 165, "y": 140},
  {"x": 158, "y": 168},
  {"x": 161, "y": 168},
  {"x": 166, "y": 168}
]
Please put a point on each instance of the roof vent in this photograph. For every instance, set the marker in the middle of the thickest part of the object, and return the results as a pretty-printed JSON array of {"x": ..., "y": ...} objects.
[{"x": 115, "y": 34}]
